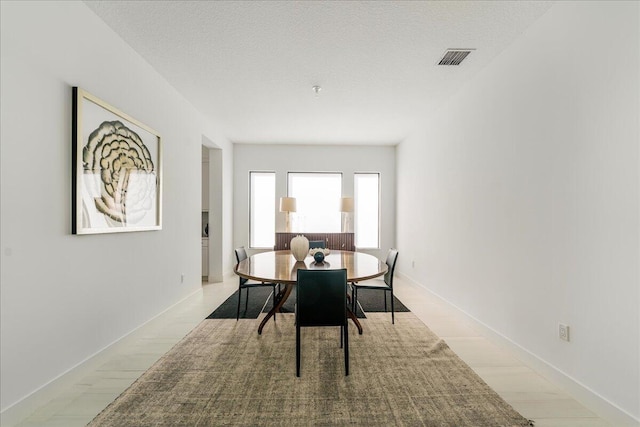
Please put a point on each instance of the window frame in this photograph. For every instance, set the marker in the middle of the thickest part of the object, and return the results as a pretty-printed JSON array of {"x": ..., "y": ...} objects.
[
  {"x": 318, "y": 173},
  {"x": 249, "y": 193},
  {"x": 355, "y": 217}
]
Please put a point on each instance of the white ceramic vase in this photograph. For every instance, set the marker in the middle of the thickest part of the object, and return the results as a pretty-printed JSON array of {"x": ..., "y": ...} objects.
[{"x": 299, "y": 247}]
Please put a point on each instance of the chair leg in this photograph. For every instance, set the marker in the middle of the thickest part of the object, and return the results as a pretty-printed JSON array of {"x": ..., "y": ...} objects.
[
  {"x": 346, "y": 348},
  {"x": 239, "y": 299},
  {"x": 246, "y": 300},
  {"x": 274, "y": 301},
  {"x": 341, "y": 336},
  {"x": 297, "y": 350},
  {"x": 393, "y": 320},
  {"x": 354, "y": 301},
  {"x": 385, "y": 301}
]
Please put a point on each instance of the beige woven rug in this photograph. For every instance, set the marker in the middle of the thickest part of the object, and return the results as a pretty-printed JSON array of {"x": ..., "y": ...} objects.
[{"x": 224, "y": 374}]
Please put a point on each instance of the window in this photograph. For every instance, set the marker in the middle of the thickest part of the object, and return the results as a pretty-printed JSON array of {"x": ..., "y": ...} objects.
[
  {"x": 317, "y": 201},
  {"x": 367, "y": 209},
  {"x": 262, "y": 209}
]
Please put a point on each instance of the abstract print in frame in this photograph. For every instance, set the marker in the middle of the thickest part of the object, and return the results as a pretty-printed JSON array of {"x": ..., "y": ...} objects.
[{"x": 117, "y": 173}]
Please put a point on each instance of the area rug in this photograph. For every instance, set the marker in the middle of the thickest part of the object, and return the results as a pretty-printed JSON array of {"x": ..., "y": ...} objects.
[
  {"x": 260, "y": 301},
  {"x": 224, "y": 374}
]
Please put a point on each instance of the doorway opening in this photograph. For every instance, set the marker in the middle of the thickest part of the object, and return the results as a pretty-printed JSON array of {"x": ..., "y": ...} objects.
[{"x": 211, "y": 212}]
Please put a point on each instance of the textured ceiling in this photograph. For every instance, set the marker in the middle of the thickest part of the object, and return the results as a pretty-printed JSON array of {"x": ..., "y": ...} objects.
[{"x": 250, "y": 66}]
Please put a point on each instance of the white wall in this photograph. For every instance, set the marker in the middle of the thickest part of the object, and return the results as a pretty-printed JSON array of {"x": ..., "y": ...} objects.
[
  {"x": 519, "y": 203},
  {"x": 66, "y": 297},
  {"x": 326, "y": 158}
]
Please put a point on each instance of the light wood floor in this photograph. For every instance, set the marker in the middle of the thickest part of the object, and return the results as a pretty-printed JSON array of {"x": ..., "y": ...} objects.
[{"x": 80, "y": 395}]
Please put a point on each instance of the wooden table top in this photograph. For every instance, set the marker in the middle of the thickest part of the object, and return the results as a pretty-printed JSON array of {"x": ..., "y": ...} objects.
[{"x": 281, "y": 266}]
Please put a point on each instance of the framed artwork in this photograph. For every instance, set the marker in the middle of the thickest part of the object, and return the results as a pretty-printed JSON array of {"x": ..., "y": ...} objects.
[{"x": 117, "y": 170}]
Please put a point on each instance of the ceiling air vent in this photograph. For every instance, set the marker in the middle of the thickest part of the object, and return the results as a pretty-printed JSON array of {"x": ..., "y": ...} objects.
[{"x": 454, "y": 56}]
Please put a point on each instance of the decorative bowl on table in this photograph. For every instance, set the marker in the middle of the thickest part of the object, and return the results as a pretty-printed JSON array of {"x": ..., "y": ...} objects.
[{"x": 318, "y": 254}]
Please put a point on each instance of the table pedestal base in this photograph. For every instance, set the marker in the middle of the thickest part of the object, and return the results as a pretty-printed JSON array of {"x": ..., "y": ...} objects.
[{"x": 281, "y": 298}]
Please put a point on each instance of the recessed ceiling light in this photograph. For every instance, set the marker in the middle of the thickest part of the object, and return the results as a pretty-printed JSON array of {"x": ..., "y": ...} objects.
[{"x": 316, "y": 89}]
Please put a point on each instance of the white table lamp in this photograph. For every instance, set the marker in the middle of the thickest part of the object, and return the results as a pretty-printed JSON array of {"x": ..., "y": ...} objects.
[
  {"x": 287, "y": 205},
  {"x": 346, "y": 207}
]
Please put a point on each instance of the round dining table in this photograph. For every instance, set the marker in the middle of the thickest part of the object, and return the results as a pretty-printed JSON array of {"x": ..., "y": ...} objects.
[{"x": 281, "y": 267}]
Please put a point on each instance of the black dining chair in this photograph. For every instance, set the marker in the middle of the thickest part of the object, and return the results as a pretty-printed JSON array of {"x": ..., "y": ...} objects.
[
  {"x": 385, "y": 285},
  {"x": 317, "y": 244},
  {"x": 241, "y": 255},
  {"x": 321, "y": 300}
]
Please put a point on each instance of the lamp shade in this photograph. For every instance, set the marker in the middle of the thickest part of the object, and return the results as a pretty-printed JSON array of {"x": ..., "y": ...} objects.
[
  {"x": 346, "y": 204},
  {"x": 287, "y": 204}
]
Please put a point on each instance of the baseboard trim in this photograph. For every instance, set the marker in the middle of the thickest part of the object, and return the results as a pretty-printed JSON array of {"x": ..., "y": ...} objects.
[
  {"x": 21, "y": 409},
  {"x": 585, "y": 395}
]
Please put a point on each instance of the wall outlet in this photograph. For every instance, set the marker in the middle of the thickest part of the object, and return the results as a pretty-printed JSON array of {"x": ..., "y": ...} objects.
[
  {"x": 413, "y": 264},
  {"x": 182, "y": 278},
  {"x": 563, "y": 332}
]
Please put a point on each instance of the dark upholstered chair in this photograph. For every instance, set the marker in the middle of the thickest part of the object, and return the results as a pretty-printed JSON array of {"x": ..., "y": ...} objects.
[
  {"x": 317, "y": 244},
  {"x": 385, "y": 285},
  {"x": 241, "y": 255},
  {"x": 321, "y": 300}
]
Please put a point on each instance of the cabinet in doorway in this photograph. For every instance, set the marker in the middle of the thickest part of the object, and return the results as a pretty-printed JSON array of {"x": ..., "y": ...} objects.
[
  {"x": 205, "y": 257},
  {"x": 205, "y": 185}
]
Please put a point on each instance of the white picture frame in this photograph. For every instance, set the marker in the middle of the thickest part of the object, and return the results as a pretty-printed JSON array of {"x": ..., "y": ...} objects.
[{"x": 117, "y": 170}]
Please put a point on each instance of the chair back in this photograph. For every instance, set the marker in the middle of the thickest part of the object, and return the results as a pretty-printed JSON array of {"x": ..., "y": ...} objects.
[
  {"x": 241, "y": 255},
  {"x": 313, "y": 244},
  {"x": 392, "y": 257},
  {"x": 321, "y": 297}
]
